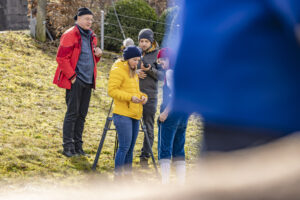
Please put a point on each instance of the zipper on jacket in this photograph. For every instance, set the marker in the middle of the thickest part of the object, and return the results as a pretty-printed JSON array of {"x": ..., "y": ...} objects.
[{"x": 59, "y": 75}]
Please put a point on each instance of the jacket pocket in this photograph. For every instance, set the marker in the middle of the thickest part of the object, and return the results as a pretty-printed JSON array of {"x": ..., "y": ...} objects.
[{"x": 134, "y": 108}]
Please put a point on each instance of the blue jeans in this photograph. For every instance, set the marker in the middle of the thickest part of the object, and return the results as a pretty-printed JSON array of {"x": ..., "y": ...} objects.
[
  {"x": 171, "y": 136},
  {"x": 127, "y": 129}
]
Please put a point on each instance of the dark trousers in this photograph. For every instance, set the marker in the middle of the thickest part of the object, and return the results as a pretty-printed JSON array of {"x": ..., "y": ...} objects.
[
  {"x": 149, "y": 111},
  {"x": 77, "y": 100}
]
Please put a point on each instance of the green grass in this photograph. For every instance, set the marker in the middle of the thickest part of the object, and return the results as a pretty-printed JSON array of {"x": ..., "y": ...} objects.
[{"x": 32, "y": 111}]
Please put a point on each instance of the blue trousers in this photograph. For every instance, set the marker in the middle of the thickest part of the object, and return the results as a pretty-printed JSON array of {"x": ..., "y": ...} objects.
[
  {"x": 127, "y": 129},
  {"x": 171, "y": 137}
]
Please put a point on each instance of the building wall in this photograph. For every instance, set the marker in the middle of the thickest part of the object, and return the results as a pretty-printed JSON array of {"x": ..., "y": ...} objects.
[
  {"x": 13, "y": 15},
  {"x": 2, "y": 15}
]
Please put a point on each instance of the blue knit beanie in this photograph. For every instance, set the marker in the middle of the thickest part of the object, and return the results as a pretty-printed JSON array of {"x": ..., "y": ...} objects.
[{"x": 131, "y": 52}]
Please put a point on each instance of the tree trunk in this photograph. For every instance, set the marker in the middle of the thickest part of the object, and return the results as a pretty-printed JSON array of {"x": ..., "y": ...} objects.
[{"x": 41, "y": 20}]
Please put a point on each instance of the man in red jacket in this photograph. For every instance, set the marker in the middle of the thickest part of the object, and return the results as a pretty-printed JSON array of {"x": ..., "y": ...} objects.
[{"x": 77, "y": 59}]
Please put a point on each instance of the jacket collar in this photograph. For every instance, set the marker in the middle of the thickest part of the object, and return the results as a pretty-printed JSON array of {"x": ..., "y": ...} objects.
[
  {"x": 81, "y": 31},
  {"x": 154, "y": 46}
]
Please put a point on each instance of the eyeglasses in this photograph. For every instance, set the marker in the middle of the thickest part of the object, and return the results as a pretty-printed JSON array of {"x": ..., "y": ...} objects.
[{"x": 88, "y": 20}]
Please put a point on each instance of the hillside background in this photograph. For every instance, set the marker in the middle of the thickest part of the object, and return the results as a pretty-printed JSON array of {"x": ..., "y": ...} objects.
[{"x": 31, "y": 116}]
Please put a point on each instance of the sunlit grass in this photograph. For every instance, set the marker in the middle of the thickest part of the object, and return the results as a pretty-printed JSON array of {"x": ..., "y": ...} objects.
[{"x": 32, "y": 111}]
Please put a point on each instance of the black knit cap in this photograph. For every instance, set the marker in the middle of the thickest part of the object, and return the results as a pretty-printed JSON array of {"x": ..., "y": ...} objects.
[
  {"x": 146, "y": 34},
  {"x": 83, "y": 11},
  {"x": 131, "y": 52}
]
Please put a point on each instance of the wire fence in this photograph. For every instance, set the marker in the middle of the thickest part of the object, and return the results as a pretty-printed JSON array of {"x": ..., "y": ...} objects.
[
  {"x": 121, "y": 27},
  {"x": 127, "y": 27},
  {"x": 142, "y": 19}
]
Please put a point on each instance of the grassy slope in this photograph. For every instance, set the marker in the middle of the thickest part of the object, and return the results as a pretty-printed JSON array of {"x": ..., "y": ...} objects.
[{"x": 32, "y": 111}]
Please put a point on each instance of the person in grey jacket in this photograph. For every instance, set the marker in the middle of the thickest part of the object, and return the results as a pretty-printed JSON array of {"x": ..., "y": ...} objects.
[{"x": 149, "y": 73}]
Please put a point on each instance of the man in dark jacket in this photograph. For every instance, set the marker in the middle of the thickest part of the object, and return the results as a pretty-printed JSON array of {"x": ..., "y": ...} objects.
[
  {"x": 150, "y": 73},
  {"x": 77, "y": 59}
]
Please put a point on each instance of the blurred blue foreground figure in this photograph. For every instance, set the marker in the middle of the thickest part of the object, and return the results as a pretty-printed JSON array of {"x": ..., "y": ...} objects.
[{"x": 238, "y": 65}]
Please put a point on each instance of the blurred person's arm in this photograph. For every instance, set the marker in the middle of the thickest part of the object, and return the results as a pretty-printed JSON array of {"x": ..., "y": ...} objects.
[
  {"x": 164, "y": 115},
  {"x": 169, "y": 81}
]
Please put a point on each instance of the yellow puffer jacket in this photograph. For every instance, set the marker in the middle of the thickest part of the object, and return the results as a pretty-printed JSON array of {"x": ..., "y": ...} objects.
[{"x": 121, "y": 88}]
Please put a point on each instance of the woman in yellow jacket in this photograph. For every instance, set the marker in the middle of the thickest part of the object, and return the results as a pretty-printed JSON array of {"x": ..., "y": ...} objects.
[{"x": 123, "y": 87}]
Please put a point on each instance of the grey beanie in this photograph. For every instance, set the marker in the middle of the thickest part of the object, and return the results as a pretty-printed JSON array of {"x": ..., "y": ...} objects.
[
  {"x": 127, "y": 42},
  {"x": 146, "y": 34}
]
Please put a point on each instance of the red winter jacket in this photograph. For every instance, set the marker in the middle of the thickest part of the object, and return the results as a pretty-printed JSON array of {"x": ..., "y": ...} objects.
[{"x": 67, "y": 57}]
